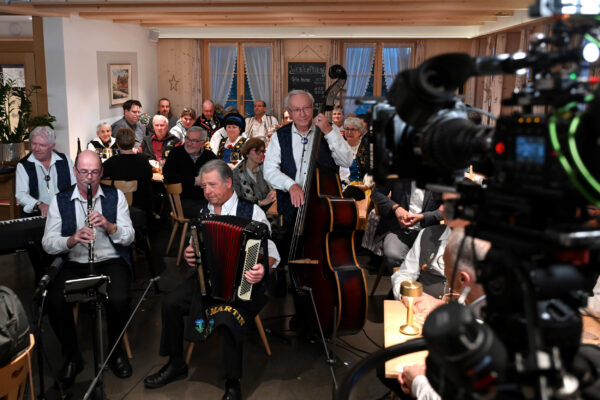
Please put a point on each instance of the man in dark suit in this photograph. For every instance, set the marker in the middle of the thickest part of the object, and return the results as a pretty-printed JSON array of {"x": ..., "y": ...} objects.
[{"x": 404, "y": 210}]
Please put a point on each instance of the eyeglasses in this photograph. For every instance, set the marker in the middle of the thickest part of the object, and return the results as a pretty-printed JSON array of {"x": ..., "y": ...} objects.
[
  {"x": 351, "y": 130},
  {"x": 299, "y": 110},
  {"x": 263, "y": 151},
  {"x": 85, "y": 172}
]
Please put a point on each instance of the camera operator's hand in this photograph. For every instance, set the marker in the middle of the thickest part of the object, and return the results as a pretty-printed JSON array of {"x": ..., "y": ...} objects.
[{"x": 408, "y": 375}]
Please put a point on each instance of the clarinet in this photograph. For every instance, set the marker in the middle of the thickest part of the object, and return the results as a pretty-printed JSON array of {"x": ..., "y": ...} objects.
[{"x": 90, "y": 208}]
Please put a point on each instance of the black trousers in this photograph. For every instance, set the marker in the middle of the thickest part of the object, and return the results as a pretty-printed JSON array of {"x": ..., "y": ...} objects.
[
  {"x": 60, "y": 312},
  {"x": 176, "y": 305}
]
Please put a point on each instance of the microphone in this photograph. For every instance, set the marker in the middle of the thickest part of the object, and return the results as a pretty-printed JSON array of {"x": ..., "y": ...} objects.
[{"x": 48, "y": 277}]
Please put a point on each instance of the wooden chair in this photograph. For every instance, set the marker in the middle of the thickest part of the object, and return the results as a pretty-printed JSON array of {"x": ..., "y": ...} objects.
[
  {"x": 261, "y": 332},
  {"x": 127, "y": 187},
  {"x": 7, "y": 193},
  {"x": 13, "y": 377},
  {"x": 174, "y": 191}
]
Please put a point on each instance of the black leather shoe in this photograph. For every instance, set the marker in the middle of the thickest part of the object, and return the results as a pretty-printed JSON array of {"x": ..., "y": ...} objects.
[
  {"x": 167, "y": 374},
  {"x": 120, "y": 366},
  {"x": 69, "y": 371},
  {"x": 232, "y": 390}
]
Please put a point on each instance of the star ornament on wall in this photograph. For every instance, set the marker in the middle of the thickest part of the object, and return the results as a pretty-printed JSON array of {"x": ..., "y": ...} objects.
[{"x": 174, "y": 82}]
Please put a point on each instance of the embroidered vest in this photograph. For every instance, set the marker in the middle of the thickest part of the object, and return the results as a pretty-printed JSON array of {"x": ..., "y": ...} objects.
[
  {"x": 432, "y": 280},
  {"x": 62, "y": 173},
  {"x": 237, "y": 148},
  {"x": 109, "y": 202},
  {"x": 288, "y": 167}
]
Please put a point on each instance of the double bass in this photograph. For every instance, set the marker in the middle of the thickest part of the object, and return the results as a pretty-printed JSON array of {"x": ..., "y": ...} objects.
[{"x": 322, "y": 255}]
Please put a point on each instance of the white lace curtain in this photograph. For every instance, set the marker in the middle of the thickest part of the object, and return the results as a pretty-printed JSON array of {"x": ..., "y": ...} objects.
[
  {"x": 395, "y": 59},
  {"x": 359, "y": 63},
  {"x": 258, "y": 72},
  {"x": 223, "y": 58}
]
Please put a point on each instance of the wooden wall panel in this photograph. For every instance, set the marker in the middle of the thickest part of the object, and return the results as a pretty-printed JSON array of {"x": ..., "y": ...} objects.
[
  {"x": 175, "y": 73},
  {"x": 434, "y": 47}
]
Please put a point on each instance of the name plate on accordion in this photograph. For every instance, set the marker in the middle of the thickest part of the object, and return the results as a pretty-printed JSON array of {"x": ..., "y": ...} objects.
[{"x": 228, "y": 246}]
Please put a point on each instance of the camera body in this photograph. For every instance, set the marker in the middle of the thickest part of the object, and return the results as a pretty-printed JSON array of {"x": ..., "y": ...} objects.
[{"x": 542, "y": 175}]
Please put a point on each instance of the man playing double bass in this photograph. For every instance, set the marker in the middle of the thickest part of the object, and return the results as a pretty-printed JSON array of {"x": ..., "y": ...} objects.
[{"x": 288, "y": 156}]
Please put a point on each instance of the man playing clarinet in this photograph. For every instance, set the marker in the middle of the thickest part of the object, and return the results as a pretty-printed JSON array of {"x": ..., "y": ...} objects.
[
  {"x": 70, "y": 230},
  {"x": 229, "y": 320}
]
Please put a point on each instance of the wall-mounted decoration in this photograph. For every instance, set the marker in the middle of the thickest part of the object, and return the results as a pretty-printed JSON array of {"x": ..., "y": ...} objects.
[
  {"x": 119, "y": 81},
  {"x": 174, "y": 82}
]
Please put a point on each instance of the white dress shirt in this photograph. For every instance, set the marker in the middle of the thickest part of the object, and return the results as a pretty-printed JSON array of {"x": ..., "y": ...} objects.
[
  {"x": 340, "y": 151},
  {"x": 410, "y": 268},
  {"x": 260, "y": 129},
  {"x": 46, "y": 192},
  {"x": 230, "y": 208},
  {"x": 54, "y": 243}
]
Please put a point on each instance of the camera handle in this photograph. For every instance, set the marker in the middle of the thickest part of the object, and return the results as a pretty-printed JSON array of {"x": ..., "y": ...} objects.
[{"x": 99, "y": 372}]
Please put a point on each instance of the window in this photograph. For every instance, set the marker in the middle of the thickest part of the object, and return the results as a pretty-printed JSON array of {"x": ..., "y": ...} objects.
[
  {"x": 241, "y": 73},
  {"x": 371, "y": 69}
]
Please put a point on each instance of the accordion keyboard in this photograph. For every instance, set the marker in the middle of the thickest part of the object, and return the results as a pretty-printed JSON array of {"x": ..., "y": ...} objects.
[{"x": 252, "y": 250}]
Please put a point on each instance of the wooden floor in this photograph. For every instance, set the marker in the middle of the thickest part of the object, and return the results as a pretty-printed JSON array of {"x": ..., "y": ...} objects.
[{"x": 296, "y": 369}]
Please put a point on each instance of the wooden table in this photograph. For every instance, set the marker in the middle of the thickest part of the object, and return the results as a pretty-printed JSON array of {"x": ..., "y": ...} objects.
[{"x": 394, "y": 315}]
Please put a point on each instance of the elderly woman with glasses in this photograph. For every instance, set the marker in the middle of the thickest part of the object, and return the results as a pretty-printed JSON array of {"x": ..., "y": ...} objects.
[
  {"x": 186, "y": 121},
  {"x": 355, "y": 181},
  {"x": 248, "y": 180}
]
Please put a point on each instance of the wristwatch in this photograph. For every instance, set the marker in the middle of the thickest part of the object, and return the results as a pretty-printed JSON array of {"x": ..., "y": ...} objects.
[{"x": 36, "y": 207}]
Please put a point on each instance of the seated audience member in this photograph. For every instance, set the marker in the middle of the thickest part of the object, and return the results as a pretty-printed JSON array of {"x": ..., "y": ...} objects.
[
  {"x": 186, "y": 121},
  {"x": 129, "y": 166},
  {"x": 337, "y": 118},
  {"x": 231, "y": 146},
  {"x": 132, "y": 109},
  {"x": 230, "y": 323},
  {"x": 183, "y": 165},
  {"x": 261, "y": 125},
  {"x": 209, "y": 120},
  {"x": 355, "y": 180},
  {"x": 158, "y": 146},
  {"x": 221, "y": 133},
  {"x": 67, "y": 233},
  {"x": 42, "y": 173},
  {"x": 287, "y": 119},
  {"x": 104, "y": 139},
  {"x": 248, "y": 180},
  {"x": 404, "y": 210},
  {"x": 164, "y": 109},
  {"x": 413, "y": 380}
]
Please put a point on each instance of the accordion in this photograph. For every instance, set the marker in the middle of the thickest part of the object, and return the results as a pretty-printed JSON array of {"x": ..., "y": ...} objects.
[{"x": 228, "y": 246}]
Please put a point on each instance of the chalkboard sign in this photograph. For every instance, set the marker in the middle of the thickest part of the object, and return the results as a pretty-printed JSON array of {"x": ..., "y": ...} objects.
[{"x": 309, "y": 76}]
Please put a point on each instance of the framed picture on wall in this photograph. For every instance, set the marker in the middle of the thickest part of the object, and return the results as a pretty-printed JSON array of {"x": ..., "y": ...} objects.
[{"x": 119, "y": 82}]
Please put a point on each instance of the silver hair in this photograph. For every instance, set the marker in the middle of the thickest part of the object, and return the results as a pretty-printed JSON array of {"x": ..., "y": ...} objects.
[
  {"x": 295, "y": 93},
  {"x": 217, "y": 165},
  {"x": 353, "y": 122},
  {"x": 45, "y": 131},
  {"x": 202, "y": 131},
  {"x": 101, "y": 124},
  {"x": 473, "y": 250},
  {"x": 158, "y": 116}
]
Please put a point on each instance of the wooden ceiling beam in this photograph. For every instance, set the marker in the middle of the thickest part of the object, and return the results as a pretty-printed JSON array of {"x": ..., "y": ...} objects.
[
  {"x": 355, "y": 17},
  {"x": 313, "y": 23},
  {"x": 28, "y": 9}
]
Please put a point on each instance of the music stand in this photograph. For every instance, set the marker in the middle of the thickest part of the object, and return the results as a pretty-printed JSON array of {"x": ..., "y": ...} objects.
[{"x": 92, "y": 289}]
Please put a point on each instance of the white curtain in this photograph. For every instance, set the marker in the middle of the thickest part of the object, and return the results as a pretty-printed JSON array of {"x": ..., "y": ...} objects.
[
  {"x": 359, "y": 63},
  {"x": 222, "y": 67},
  {"x": 258, "y": 72},
  {"x": 395, "y": 60}
]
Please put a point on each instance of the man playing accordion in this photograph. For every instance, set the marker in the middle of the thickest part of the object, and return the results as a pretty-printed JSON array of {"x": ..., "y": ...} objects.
[{"x": 206, "y": 313}]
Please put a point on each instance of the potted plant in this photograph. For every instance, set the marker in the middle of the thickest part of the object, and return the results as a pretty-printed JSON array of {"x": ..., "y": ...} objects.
[{"x": 15, "y": 128}]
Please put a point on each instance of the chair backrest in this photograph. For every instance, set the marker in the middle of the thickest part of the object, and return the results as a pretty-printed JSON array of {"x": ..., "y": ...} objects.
[
  {"x": 127, "y": 187},
  {"x": 14, "y": 375},
  {"x": 173, "y": 191}
]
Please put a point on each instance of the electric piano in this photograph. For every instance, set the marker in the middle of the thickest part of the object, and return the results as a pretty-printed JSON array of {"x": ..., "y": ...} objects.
[{"x": 16, "y": 234}]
